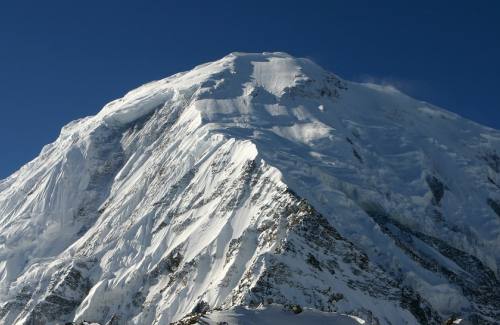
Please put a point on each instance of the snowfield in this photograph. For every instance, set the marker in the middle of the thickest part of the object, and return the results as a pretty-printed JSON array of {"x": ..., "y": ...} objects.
[
  {"x": 275, "y": 315},
  {"x": 250, "y": 182}
]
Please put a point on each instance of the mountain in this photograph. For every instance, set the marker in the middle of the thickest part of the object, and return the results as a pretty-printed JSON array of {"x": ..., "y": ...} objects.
[{"x": 250, "y": 185}]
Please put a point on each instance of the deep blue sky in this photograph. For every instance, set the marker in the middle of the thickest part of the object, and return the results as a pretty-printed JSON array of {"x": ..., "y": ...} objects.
[{"x": 60, "y": 60}]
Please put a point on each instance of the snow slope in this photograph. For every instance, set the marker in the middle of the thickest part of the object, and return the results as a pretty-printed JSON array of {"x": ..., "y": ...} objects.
[
  {"x": 274, "y": 315},
  {"x": 256, "y": 179}
]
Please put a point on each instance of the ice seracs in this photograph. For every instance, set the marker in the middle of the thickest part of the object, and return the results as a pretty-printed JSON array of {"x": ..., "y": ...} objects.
[{"x": 256, "y": 180}]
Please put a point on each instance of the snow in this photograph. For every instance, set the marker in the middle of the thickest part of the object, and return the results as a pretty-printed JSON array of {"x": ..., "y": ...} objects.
[
  {"x": 276, "y": 315},
  {"x": 305, "y": 133},
  {"x": 275, "y": 74},
  {"x": 196, "y": 165}
]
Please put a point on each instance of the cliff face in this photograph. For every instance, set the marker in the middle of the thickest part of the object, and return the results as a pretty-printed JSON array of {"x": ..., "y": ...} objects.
[{"x": 256, "y": 179}]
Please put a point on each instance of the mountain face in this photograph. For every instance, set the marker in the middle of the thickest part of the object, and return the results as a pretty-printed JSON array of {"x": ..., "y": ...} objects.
[{"x": 256, "y": 180}]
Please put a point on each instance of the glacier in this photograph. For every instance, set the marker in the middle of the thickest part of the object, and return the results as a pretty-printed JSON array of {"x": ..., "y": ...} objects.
[{"x": 256, "y": 181}]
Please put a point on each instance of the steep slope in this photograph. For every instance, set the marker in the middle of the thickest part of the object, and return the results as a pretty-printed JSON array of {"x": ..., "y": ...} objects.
[{"x": 246, "y": 181}]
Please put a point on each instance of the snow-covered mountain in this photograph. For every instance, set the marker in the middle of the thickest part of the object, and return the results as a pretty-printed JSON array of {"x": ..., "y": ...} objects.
[{"x": 256, "y": 180}]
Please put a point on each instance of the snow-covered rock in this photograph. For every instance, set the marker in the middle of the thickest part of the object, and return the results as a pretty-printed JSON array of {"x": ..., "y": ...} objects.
[{"x": 255, "y": 180}]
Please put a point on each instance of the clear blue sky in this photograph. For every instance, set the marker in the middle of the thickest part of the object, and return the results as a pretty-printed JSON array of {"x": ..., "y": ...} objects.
[{"x": 60, "y": 60}]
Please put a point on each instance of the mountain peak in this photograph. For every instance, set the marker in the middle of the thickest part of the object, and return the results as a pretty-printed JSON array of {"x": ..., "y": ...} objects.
[
  {"x": 259, "y": 54},
  {"x": 256, "y": 180},
  {"x": 236, "y": 75}
]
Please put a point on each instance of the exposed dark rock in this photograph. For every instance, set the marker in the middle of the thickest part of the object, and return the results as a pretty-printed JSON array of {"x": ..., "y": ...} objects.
[
  {"x": 313, "y": 261},
  {"x": 294, "y": 308},
  {"x": 138, "y": 299},
  {"x": 65, "y": 292},
  {"x": 202, "y": 307},
  {"x": 168, "y": 264},
  {"x": 190, "y": 319},
  {"x": 451, "y": 320},
  {"x": 357, "y": 155},
  {"x": 437, "y": 188},
  {"x": 310, "y": 88},
  {"x": 195, "y": 317},
  {"x": 418, "y": 307},
  {"x": 494, "y": 205}
]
